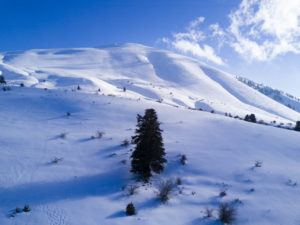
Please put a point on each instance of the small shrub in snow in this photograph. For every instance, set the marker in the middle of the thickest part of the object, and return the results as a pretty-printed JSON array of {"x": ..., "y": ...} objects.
[
  {"x": 63, "y": 135},
  {"x": 132, "y": 189},
  {"x": 124, "y": 161},
  {"x": 124, "y": 89},
  {"x": 6, "y": 89},
  {"x": 100, "y": 134},
  {"x": 212, "y": 111},
  {"x": 223, "y": 193},
  {"x": 178, "y": 181},
  {"x": 164, "y": 190},
  {"x": 130, "y": 209},
  {"x": 183, "y": 159},
  {"x": 78, "y": 88},
  {"x": 56, "y": 160},
  {"x": 297, "y": 127},
  {"x": 237, "y": 201},
  {"x": 227, "y": 213},
  {"x": 12, "y": 214},
  {"x": 17, "y": 210},
  {"x": 258, "y": 164},
  {"x": 125, "y": 143},
  {"x": 208, "y": 213},
  {"x": 68, "y": 114},
  {"x": 21, "y": 85},
  {"x": 26, "y": 208}
]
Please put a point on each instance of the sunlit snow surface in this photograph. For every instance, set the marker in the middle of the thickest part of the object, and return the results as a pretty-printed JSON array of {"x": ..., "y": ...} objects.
[{"x": 85, "y": 187}]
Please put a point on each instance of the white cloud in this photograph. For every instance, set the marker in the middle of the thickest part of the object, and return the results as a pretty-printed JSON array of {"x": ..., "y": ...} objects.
[
  {"x": 196, "y": 22},
  {"x": 193, "y": 48},
  {"x": 259, "y": 30},
  {"x": 263, "y": 29},
  {"x": 189, "y": 42}
]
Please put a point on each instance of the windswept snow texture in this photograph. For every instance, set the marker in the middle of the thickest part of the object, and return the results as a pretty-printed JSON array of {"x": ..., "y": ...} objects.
[
  {"x": 147, "y": 73},
  {"x": 89, "y": 184}
]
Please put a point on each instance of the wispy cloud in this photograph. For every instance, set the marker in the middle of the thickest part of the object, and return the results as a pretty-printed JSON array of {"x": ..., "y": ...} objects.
[
  {"x": 259, "y": 30},
  {"x": 191, "y": 42}
]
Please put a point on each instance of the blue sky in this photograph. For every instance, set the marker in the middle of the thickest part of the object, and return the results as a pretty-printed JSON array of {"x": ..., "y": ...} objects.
[{"x": 258, "y": 39}]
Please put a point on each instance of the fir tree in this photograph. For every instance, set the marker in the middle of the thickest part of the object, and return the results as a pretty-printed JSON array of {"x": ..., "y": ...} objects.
[
  {"x": 130, "y": 209},
  {"x": 297, "y": 127},
  {"x": 250, "y": 118},
  {"x": 2, "y": 80},
  {"x": 149, "y": 152}
]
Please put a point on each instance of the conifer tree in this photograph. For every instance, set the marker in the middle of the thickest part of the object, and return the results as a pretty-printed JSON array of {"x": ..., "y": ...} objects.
[
  {"x": 149, "y": 152},
  {"x": 2, "y": 80},
  {"x": 297, "y": 127}
]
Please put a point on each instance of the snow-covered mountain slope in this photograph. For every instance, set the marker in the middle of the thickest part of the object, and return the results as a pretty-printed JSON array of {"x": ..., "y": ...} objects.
[
  {"x": 85, "y": 187},
  {"x": 147, "y": 73},
  {"x": 279, "y": 96}
]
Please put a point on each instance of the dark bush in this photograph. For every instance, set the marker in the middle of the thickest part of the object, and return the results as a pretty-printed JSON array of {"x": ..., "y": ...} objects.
[
  {"x": 178, "y": 181},
  {"x": 183, "y": 159},
  {"x": 68, "y": 114},
  {"x": 258, "y": 164},
  {"x": 223, "y": 193},
  {"x": 56, "y": 160},
  {"x": 21, "y": 85},
  {"x": 2, "y": 80},
  {"x": 63, "y": 135},
  {"x": 250, "y": 118},
  {"x": 17, "y": 210},
  {"x": 227, "y": 213},
  {"x": 26, "y": 208},
  {"x": 130, "y": 209}
]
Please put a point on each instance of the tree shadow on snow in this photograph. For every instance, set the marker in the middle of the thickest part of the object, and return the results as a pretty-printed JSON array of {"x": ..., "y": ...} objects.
[
  {"x": 116, "y": 215},
  {"x": 75, "y": 188},
  {"x": 204, "y": 221}
]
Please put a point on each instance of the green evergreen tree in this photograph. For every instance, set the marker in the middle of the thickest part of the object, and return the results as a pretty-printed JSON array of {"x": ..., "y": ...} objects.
[
  {"x": 297, "y": 127},
  {"x": 130, "y": 209},
  {"x": 250, "y": 118},
  {"x": 149, "y": 152},
  {"x": 2, "y": 80}
]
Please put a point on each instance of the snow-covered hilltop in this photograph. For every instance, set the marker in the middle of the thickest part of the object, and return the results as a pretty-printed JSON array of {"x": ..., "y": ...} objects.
[
  {"x": 145, "y": 73},
  {"x": 62, "y": 154}
]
